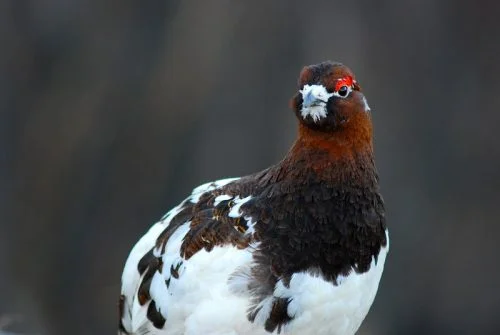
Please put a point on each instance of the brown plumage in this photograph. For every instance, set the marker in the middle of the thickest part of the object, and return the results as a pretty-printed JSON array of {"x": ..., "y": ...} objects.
[{"x": 317, "y": 213}]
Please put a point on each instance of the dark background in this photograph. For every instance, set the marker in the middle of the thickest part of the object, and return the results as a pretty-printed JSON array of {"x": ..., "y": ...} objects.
[{"x": 112, "y": 111}]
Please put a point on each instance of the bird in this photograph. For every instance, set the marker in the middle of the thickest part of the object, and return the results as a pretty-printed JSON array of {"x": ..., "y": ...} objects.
[{"x": 298, "y": 248}]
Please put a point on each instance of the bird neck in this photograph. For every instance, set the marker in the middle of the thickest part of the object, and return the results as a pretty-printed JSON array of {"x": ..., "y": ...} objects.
[
  {"x": 352, "y": 138},
  {"x": 346, "y": 154}
]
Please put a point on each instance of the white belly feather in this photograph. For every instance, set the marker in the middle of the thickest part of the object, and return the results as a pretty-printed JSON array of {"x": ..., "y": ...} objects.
[{"x": 201, "y": 301}]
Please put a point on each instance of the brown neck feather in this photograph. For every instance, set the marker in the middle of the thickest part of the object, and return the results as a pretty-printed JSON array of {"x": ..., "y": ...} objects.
[
  {"x": 345, "y": 153},
  {"x": 353, "y": 138}
]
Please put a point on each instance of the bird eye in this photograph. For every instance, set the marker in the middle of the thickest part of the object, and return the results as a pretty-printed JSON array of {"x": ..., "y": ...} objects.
[
  {"x": 343, "y": 91},
  {"x": 344, "y": 86}
]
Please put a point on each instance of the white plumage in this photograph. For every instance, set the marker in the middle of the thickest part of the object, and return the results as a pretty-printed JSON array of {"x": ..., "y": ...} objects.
[
  {"x": 208, "y": 299},
  {"x": 298, "y": 248}
]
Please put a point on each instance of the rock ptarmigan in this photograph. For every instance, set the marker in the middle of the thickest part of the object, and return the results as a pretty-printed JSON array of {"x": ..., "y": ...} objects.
[{"x": 298, "y": 248}]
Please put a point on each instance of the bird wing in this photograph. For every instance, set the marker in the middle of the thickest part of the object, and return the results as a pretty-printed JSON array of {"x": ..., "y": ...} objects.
[{"x": 208, "y": 218}]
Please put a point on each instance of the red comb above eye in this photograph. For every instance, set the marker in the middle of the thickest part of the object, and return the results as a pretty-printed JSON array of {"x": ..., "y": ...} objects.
[{"x": 346, "y": 81}]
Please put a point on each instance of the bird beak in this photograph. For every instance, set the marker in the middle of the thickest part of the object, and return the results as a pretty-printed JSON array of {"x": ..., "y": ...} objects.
[
  {"x": 314, "y": 95},
  {"x": 309, "y": 100}
]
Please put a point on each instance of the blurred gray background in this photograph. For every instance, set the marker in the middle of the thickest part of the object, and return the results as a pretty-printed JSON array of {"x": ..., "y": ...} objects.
[{"x": 112, "y": 111}]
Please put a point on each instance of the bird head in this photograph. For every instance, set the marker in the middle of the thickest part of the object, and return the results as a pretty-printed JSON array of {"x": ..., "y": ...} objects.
[{"x": 329, "y": 98}]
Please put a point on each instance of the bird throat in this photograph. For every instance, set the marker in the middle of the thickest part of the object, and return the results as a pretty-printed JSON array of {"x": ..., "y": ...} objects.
[{"x": 346, "y": 154}]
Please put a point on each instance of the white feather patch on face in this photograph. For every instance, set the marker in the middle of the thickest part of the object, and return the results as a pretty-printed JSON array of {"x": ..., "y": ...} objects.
[{"x": 318, "y": 96}]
